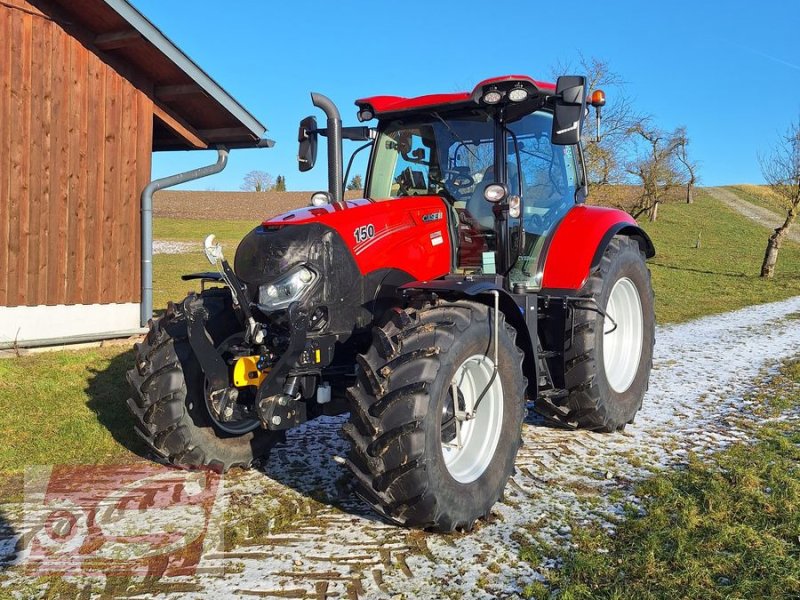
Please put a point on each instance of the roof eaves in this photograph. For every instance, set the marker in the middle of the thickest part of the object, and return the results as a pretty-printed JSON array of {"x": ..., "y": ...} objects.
[{"x": 151, "y": 33}]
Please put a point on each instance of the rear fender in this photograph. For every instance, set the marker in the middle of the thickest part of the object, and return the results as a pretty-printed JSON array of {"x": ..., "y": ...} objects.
[
  {"x": 514, "y": 312},
  {"x": 579, "y": 242}
]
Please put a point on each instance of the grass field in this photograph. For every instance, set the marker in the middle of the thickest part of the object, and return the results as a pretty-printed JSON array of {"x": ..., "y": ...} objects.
[
  {"x": 720, "y": 528},
  {"x": 75, "y": 417},
  {"x": 720, "y": 275}
]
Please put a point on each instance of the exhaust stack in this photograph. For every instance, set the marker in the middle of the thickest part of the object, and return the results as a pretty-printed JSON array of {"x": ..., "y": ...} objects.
[{"x": 334, "y": 135}]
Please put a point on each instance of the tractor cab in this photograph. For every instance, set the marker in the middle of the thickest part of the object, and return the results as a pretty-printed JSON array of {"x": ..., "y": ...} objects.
[
  {"x": 499, "y": 158},
  {"x": 452, "y": 155}
]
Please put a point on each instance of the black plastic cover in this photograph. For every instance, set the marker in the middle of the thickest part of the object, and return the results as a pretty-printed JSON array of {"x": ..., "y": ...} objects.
[{"x": 352, "y": 299}]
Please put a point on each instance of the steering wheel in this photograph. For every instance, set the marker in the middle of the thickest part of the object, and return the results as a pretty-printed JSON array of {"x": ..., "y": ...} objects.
[{"x": 458, "y": 179}]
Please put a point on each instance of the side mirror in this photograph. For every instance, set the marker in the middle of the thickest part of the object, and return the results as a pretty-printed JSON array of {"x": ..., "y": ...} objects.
[
  {"x": 569, "y": 110},
  {"x": 307, "y": 137}
]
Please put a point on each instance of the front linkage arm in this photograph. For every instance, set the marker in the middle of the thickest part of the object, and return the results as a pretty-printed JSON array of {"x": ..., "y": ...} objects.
[{"x": 219, "y": 394}]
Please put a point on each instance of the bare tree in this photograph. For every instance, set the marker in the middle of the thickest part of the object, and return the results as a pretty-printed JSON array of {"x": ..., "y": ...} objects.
[
  {"x": 654, "y": 168},
  {"x": 689, "y": 165},
  {"x": 606, "y": 159},
  {"x": 781, "y": 170},
  {"x": 257, "y": 181},
  {"x": 355, "y": 183}
]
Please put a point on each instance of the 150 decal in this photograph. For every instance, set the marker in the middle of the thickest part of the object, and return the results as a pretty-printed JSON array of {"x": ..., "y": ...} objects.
[{"x": 363, "y": 233}]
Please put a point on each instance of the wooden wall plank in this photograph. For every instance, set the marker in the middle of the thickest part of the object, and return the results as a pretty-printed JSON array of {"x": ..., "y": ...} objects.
[
  {"x": 127, "y": 203},
  {"x": 62, "y": 140},
  {"x": 78, "y": 174},
  {"x": 27, "y": 46},
  {"x": 110, "y": 229},
  {"x": 50, "y": 122},
  {"x": 38, "y": 131},
  {"x": 5, "y": 145},
  {"x": 20, "y": 158},
  {"x": 95, "y": 159},
  {"x": 23, "y": 5}
]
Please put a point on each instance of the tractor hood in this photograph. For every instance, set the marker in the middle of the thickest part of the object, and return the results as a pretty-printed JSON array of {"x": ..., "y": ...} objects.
[
  {"x": 407, "y": 234},
  {"x": 359, "y": 253}
]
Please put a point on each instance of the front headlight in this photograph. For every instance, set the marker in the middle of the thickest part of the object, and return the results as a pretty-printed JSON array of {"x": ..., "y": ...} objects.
[{"x": 286, "y": 288}]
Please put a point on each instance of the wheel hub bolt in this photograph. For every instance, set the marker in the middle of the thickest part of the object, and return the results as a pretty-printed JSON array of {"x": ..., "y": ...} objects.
[{"x": 276, "y": 420}]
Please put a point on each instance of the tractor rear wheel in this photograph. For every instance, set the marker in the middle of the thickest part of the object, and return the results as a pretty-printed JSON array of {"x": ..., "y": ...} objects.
[
  {"x": 608, "y": 358},
  {"x": 169, "y": 401},
  {"x": 417, "y": 457}
]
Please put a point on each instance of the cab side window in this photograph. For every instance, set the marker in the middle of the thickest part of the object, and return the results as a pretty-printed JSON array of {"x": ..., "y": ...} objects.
[
  {"x": 405, "y": 162},
  {"x": 548, "y": 182},
  {"x": 548, "y": 177}
]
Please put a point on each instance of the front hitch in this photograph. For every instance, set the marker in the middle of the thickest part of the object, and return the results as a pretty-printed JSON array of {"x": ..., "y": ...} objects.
[
  {"x": 277, "y": 401},
  {"x": 213, "y": 251}
]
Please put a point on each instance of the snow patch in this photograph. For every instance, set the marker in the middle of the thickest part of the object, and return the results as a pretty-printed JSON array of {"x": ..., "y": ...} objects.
[{"x": 171, "y": 247}]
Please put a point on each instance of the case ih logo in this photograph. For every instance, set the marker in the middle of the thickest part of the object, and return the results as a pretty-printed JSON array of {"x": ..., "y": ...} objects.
[{"x": 142, "y": 520}]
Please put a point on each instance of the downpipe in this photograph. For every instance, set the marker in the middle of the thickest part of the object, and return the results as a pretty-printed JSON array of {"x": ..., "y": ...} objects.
[
  {"x": 335, "y": 153},
  {"x": 147, "y": 223}
]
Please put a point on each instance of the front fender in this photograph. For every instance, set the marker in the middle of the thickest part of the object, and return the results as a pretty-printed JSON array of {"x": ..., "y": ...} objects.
[{"x": 579, "y": 241}]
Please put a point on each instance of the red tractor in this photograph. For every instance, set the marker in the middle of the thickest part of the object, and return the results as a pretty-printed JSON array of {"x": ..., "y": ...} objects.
[{"x": 471, "y": 280}]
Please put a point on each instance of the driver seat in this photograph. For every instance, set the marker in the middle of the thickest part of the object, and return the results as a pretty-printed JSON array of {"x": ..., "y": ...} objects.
[{"x": 477, "y": 207}]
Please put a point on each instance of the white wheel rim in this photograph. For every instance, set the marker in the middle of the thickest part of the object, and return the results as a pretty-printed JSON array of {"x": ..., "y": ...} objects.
[
  {"x": 622, "y": 335},
  {"x": 469, "y": 454}
]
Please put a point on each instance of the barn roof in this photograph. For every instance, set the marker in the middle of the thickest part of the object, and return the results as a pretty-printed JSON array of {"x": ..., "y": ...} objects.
[{"x": 192, "y": 110}]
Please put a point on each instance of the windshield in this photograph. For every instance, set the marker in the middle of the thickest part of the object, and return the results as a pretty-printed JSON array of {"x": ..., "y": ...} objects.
[{"x": 434, "y": 156}]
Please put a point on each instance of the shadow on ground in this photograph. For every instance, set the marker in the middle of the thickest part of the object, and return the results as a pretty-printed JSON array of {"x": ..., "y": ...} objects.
[
  {"x": 8, "y": 540},
  {"x": 701, "y": 271},
  {"x": 108, "y": 390}
]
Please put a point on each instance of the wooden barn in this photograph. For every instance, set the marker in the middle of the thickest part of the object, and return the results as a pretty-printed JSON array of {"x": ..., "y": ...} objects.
[{"x": 88, "y": 90}]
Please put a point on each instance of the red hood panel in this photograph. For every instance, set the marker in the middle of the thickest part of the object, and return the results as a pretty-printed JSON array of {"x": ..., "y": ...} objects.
[{"x": 409, "y": 234}]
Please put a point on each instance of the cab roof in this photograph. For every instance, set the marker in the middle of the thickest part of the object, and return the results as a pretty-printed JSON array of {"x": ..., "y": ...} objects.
[{"x": 374, "y": 106}]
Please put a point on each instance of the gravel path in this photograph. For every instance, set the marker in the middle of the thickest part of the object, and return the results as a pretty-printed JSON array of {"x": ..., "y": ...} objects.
[
  {"x": 759, "y": 214},
  {"x": 336, "y": 548}
]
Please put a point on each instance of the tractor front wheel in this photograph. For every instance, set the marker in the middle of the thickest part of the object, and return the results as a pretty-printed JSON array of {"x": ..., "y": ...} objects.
[
  {"x": 169, "y": 402},
  {"x": 421, "y": 452}
]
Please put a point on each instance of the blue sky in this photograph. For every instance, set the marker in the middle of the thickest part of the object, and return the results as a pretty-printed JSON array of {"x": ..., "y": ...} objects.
[{"x": 729, "y": 71}]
